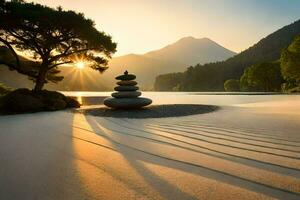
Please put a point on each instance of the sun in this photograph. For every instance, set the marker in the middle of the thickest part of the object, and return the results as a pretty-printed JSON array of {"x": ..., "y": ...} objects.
[{"x": 80, "y": 65}]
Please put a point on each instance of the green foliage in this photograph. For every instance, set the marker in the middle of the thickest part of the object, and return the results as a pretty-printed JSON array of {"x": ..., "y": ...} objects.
[
  {"x": 289, "y": 85},
  {"x": 232, "y": 85},
  {"x": 4, "y": 89},
  {"x": 211, "y": 77},
  {"x": 25, "y": 100},
  {"x": 167, "y": 82},
  {"x": 263, "y": 77},
  {"x": 52, "y": 37},
  {"x": 290, "y": 65}
]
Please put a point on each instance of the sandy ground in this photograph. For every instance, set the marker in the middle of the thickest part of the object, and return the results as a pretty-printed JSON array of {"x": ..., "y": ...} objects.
[{"x": 244, "y": 152}]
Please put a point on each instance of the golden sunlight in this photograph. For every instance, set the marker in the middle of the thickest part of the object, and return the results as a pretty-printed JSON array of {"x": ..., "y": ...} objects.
[{"x": 80, "y": 64}]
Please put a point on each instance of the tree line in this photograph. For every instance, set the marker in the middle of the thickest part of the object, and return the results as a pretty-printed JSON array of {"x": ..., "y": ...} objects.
[{"x": 281, "y": 75}]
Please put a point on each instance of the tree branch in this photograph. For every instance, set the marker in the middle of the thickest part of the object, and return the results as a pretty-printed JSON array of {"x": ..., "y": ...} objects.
[
  {"x": 14, "y": 34},
  {"x": 67, "y": 54},
  {"x": 6, "y": 43},
  {"x": 57, "y": 64},
  {"x": 19, "y": 70}
]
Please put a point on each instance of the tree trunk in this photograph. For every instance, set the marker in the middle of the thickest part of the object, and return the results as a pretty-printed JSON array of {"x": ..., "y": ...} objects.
[{"x": 40, "y": 81}]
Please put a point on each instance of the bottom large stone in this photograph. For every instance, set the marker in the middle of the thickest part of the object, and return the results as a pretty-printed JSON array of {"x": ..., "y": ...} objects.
[{"x": 127, "y": 103}]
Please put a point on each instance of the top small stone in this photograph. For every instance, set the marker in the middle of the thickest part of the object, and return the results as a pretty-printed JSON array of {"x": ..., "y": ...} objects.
[{"x": 126, "y": 76}]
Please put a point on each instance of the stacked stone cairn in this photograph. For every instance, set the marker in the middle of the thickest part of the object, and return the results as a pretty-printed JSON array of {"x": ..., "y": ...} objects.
[{"x": 126, "y": 95}]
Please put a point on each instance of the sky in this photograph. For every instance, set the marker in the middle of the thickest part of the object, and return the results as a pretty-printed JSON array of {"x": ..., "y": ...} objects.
[{"x": 139, "y": 26}]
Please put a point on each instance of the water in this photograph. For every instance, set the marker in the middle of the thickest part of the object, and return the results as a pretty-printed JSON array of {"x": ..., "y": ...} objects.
[{"x": 214, "y": 98}]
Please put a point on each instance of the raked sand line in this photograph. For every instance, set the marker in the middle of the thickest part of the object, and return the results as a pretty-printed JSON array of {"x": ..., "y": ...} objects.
[
  {"x": 210, "y": 173},
  {"x": 204, "y": 123},
  {"x": 200, "y": 137},
  {"x": 205, "y": 150},
  {"x": 255, "y": 133},
  {"x": 242, "y": 140},
  {"x": 270, "y": 138},
  {"x": 234, "y": 155},
  {"x": 244, "y": 144},
  {"x": 284, "y": 152},
  {"x": 105, "y": 171},
  {"x": 256, "y": 155},
  {"x": 288, "y": 185},
  {"x": 256, "y": 130},
  {"x": 239, "y": 135},
  {"x": 197, "y": 120},
  {"x": 203, "y": 146},
  {"x": 142, "y": 189}
]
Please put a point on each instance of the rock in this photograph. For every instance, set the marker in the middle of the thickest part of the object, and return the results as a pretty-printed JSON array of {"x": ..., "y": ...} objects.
[
  {"x": 21, "y": 101},
  {"x": 45, "y": 95},
  {"x": 126, "y": 77},
  {"x": 127, "y": 83},
  {"x": 56, "y": 101},
  {"x": 126, "y": 88},
  {"x": 126, "y": 94},
  {"x": 55, "y": 104},
  {"x": 72, "y": 103},
  {"x": 4, "y": 89},
  {"x": 127, "y": 103},
  {"x": 24, "y": 100}
]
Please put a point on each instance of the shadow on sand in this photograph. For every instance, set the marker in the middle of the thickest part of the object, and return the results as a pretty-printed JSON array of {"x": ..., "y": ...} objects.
[{"x": 170, "y": 191}]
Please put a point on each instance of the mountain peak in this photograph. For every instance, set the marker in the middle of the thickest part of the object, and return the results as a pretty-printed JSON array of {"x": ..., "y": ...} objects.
[
  {"x": 188, "y": 38},
  {"x": 192, "y": 39},
  {"x": 190, "y": 51}
]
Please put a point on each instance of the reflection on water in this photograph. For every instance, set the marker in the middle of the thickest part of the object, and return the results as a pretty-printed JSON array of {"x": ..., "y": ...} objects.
[
  {"x": 204, "y": 98},
  {"x": 79, "y": 99}
]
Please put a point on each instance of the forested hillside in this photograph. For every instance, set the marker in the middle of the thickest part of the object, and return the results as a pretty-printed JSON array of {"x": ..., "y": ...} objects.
[{"x": 211, "y": 77}]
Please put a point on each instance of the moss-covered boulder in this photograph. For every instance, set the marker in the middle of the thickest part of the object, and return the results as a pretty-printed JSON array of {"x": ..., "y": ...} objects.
[
  {"x": 21, "y": 101},
  {"x": 25, "y": 100},
  {"x": 72, "y": 103},
  {"x": 52, "y": 100},
  {"x": 4, "y": 89}
]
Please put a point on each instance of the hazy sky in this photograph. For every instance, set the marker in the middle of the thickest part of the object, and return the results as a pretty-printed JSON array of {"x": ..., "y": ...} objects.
[{"x": 139, "y": 26}]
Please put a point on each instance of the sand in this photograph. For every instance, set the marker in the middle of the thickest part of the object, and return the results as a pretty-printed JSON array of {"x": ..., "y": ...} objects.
[{"x": 242, "y": 152}]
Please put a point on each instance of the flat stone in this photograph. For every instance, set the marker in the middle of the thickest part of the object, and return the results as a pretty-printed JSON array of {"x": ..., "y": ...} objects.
[
  {"x": 126, "y": 77},
  {"x": 127, "y": 103},
  {"x": 127, "y": 83},
  {"x": 126, "y": 94},
  {"x": 126, "y": 88}
]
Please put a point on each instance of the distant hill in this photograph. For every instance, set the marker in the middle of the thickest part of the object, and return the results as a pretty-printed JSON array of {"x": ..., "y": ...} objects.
[
  {"x": 88, "y": 79},
  {"x": 211, "y": 77},
  {"x": 191, "y": 51},
  {"x": 146, "y": 69},
  {"x": 174, "y": 57}
]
